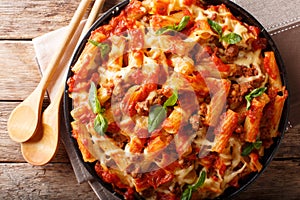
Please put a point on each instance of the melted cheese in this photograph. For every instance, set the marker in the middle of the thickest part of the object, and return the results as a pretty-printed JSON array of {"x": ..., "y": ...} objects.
[
  {"x": 248, "y": 58},
  {"x": 152, "y": 60}
]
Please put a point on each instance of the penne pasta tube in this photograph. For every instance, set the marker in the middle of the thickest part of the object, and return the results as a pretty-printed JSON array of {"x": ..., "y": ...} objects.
[
  {"x": 224, "y": 130},
  {"x": 253, "y": 118}
]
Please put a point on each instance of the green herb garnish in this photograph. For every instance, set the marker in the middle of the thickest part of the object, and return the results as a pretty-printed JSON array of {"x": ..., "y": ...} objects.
[
  {"x": 100, "y": 123},
  {"x": 182, "y": 24},
  {"x": 254, "y": 93},
  {"x": 158, "y": 113},
  {"x": 171, "y": 101},
  {"x": 93, "y": 99},
  {"x": 215, "y": 26},
  {"x": 248, "y": 149},
  {"x": 104, "y": 48},
  {"x": 94, "y": 42},
  {"x": 187, "y": 193},
  {"x": 156, "y": 116},
  {"x": 230, "y": 38}
]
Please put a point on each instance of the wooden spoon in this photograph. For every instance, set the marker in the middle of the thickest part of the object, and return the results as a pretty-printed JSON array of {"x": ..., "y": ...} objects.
[
  {"x": 23, "y": 121},
  {"x": 42, "y": 147}
]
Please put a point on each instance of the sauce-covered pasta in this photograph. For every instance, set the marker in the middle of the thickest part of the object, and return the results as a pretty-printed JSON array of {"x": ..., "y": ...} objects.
[{"x": 174, "y": 99}]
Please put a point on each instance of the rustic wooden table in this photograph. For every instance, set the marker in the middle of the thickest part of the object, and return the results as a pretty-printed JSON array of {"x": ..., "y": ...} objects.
[{"x": 20, "y": 22}]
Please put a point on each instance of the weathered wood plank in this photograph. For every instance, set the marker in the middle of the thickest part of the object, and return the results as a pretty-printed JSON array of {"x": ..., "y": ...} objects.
[
  {"x": 44, "y": 15},
  {"x": 10, "y": 150},
  {"x": 289, "y": 148},
  {"x": 279, "y": 181},
  {"x": 19, "y": 70},
  {"x": 53, "y": 181}
]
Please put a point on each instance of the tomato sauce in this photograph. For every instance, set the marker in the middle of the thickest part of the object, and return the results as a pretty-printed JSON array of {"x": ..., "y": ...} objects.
[
  {"x": 113, "y": 178},
  {"x": 269, "y": 69},
  {"x": 154, "y": 179}
]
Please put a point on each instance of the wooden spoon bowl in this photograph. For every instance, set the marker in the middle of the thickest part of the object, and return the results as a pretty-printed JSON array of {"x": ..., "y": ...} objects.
[
  {"x": 42, "y": 147},
  {"x": 24, "y": 119}
]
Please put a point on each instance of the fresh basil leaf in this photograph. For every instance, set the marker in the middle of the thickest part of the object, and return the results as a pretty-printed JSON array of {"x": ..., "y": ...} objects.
[
  {"x": 187, "y": 194},
  {"x": 248, "y": 99},
  {"x": 231, "y": 38},
  {"x": 100, "y": 124},
  {"x": 104, "y": 48},
  {"x": 93, "y": 99},
  {"x": 164, "y": 30},
  {"x": 257, "y": 144},
  {"x": 158, "y": 113},
  {"x": 182, "y": 24},
  {"x": 257, "y": 92},
  {"x": 200, "y": 181},
  {"x": 247, "y": 150},
  {"x": 156, "y": 116},
  {"x": 171, "y": 101},
  {"x": 215, "y": 26},
  {"x": 94, "y": 42},
  {"x": 254, "y": 93}
]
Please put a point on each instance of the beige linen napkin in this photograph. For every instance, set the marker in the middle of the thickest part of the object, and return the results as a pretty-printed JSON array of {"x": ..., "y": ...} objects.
[{"x": 281, "y": 18}]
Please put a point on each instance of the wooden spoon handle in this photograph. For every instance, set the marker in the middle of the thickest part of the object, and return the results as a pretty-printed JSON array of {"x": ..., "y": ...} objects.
[
  {"x": 54, "y": 105},
  {"x": 54, "y": 63},
  {"x": 92, "y": 16}
]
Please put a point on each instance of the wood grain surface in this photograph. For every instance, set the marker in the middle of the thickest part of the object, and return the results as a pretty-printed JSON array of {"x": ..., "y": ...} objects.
[{"x": 21, "y": 21}]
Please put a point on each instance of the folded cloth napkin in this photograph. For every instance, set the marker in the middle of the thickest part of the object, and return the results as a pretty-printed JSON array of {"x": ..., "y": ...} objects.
[{"x": 280, "y": 18}]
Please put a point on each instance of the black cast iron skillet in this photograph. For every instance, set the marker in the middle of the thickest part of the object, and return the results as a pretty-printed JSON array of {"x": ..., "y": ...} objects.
[{"x": 245, "y": 17}]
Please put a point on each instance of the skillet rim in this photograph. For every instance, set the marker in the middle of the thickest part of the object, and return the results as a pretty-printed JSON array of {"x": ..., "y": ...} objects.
[{"x": 230, "y": 192}]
